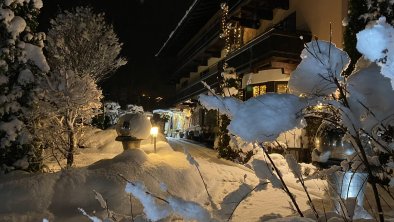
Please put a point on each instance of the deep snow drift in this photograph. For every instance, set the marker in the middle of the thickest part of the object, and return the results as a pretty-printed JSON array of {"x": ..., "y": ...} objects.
[{"x": 57, "y": 196}]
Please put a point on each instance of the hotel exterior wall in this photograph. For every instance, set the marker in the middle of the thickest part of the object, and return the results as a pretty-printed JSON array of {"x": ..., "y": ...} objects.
[{"x": 311, "y": 15}]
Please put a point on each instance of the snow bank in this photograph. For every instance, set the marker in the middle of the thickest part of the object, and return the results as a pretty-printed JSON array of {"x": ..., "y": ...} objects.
[
  {"x": 58, "y": 196},
  {"x": 152, "y": 210}
]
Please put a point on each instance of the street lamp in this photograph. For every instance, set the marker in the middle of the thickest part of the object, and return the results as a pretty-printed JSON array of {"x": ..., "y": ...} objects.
[{"x": 153, "y": 132}]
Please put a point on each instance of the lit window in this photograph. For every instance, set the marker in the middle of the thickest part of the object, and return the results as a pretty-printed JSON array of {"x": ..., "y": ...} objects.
[
  {"x": 259, "y": 90},
  {"x": 281, "y": 88}
]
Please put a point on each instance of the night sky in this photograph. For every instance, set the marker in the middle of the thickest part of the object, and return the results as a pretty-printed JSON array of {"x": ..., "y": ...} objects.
[{"x": 142, "y": 27}]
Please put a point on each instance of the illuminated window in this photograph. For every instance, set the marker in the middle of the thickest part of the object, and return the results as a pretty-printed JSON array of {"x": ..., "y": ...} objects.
[
  {"x": 259, "y": 90},
  {"x": 281, "y": 88}
]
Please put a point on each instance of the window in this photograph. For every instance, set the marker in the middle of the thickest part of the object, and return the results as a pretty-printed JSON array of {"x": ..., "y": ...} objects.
[
  {"x": 281, "y": 88},
  {"x": 259, "y": 90}
]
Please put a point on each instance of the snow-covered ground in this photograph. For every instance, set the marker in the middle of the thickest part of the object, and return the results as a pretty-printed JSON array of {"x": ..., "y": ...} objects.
[{"x": 57, "y": 196}]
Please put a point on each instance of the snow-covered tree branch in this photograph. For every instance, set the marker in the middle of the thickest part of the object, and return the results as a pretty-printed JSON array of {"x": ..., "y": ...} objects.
[
  {"x": 362, "y": 104},
  {"x": 82, "y": 50}
]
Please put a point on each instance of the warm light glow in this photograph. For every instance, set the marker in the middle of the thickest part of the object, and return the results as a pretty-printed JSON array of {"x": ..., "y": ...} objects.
[
  {"x": 154, "y": 131},
  {"x": 319, "y": 106},
  {"x": 281, "y": 88},
  {"x": 259, "y": 90}
]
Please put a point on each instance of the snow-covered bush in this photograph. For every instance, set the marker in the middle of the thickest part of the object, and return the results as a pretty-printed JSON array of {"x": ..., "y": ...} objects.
[
  {"x": 362, "y": 105},
  {"x": 82, "y": 50},
  {"x": 226, "y": 144},
  {"x": 131, "y": 108},
  {"x": 111, "y": 109},
  {"x": 108, "y": 116},
  {"x": 21, "y": 63}
]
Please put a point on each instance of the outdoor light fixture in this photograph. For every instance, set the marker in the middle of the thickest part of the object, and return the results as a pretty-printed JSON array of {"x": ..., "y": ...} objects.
[{"x": 153, "y": 132}]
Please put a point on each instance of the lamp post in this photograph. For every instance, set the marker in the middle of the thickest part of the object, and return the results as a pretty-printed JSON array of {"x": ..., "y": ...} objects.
[{"x": 153, "y": 132}]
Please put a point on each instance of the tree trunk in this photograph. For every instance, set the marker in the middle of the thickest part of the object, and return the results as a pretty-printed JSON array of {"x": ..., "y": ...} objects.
[{"x": 71, "y": 146}]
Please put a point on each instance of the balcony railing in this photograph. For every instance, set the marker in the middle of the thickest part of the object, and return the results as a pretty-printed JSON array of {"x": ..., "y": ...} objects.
[
  {"x": 210, "y": 76},
  {"x": 272, "y": 44}
]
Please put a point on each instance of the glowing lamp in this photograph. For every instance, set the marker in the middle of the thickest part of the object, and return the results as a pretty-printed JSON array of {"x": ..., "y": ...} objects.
[{"x": 153, "y": 132}]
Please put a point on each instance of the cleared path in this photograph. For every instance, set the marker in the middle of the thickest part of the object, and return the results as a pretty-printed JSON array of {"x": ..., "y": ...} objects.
[{"x": 200, "y": 151}]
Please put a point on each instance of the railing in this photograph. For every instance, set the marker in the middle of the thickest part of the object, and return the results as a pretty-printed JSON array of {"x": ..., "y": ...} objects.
[
  {"x": 210, "y": 76},
  {"x": 274, "y": 43}
]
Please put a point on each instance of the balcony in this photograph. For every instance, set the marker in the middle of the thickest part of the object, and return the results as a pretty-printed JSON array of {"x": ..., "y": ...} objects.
[
  {"x": 272, "y": 45},
  {"x": 210, "y": 76}
]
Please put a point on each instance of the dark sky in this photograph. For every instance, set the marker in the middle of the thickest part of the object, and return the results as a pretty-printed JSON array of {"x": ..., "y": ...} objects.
[{"x": 142, "y": 27}]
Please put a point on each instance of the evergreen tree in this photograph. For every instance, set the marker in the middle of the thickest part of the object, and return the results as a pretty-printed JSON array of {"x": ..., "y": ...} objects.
[
  {"x": 359, "y": 14},
  {"x": 229, "y": 85},
  {"x": 21, "y": 61}
]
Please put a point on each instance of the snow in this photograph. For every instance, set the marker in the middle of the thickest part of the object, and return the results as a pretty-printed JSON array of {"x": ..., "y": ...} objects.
[
  {"x": 225, "y": 105},
  {"x": 25, "y": 77},
  {"x": 321, "y": 63},
  {"x": 363, "y": 94},
  {"x": 230, "y": 91},
  {"x": 3, "y": 79},
  {"x": 258, "y": 118},
  {"x": 38, "y": 4},
  {"x": 92, "y": 218},
  {"x": 264, "y": 171},
  {"x": 35, "y": 54},
  {"x": 22, "y": 163},
  {"x": 11, "y": 129},
  {"x": 57, "y": 196},
  {"x": 16, "y": 26},
  {"x": 152, "y": 210},
  {"x": 372, "y": 42},
  {"x": 189, "y": 210},
  {"x": 137, "y": 126},
  {"x": 7, "y": 15},
  {"x": 377, "y": 44}
]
